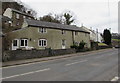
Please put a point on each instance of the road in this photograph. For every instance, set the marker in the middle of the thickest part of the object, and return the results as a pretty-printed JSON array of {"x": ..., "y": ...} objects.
[{"x": 97, "y": 66}]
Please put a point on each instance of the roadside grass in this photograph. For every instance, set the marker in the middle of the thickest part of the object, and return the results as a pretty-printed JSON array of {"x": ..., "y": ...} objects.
[
  {"x": 102, "y": 44},
  {"x": 116, "y": 40}
]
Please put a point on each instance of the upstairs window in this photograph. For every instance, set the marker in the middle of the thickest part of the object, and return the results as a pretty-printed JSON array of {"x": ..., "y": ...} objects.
[
  {"x": 76, "y": 33},
  {"x": 24, "y": 16},
  {"x": 17, "y": 16},
  {"x": 42, "y": 42},
  {"x": 10, "y": 23},
  {"x": 42, "y": 30},
  {"x": 63, "y": 32}
]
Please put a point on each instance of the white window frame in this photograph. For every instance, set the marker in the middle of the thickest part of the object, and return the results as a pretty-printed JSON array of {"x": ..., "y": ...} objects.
[
  {"x": 24, "y": 17},
  {"x": 41, "y": 42},
  {"x": 63, "y": 31},
  {"x": 24, "y": 42},
  {"x": 76, "y": 33},
  {"x": 42, "y": 30},
  {"x": 17, "y": 16},
  {"x": 10, "y": 22},
  {"x": 17, "y": 42},
  {"x": 64, "y": 42}
]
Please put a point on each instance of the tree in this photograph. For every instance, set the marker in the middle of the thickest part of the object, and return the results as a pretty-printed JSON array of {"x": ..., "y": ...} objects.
[
  {"x": 107, "y": 37},
  {"x": 50, "y": 18},
  {"x": 63, "y": 18},
  {"x": 68, "y": 18}
]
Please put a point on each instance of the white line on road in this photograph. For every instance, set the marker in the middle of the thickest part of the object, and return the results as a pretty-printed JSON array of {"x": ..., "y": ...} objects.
[
  {"x": 75, "y": 62},
  {"x": 115, "y": 78},
  {"x": 21, "y": 65},
  {"x": 25, "y": 73}
]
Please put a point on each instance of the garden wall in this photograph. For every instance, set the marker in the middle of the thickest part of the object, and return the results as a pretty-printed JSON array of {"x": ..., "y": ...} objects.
[{"x": 29, "y": 54}]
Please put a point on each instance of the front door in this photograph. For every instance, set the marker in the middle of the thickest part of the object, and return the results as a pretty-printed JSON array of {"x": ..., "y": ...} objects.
[
  {"x": 15, "y": 44},
  {"x": 63, "y": 44}
]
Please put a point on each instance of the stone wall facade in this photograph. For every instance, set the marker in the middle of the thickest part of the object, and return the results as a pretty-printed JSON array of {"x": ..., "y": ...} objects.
[{"x": 29, "y": 54}]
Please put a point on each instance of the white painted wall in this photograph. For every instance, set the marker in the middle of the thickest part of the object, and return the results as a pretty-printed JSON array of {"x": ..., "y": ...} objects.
[{"x": 8, "y": 13}]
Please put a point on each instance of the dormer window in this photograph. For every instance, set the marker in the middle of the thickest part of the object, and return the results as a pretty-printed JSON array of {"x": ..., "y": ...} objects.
[
  {"x": 17, "y": 16},
  {"x": 42, "y": 30}
]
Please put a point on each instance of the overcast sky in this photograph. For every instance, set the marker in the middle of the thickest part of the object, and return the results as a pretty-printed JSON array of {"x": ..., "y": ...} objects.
[{"x": 92, "y": 13}]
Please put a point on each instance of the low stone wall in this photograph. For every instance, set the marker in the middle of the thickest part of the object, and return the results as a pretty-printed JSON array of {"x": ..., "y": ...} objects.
[
  {"x": 104, "y": 47},
  {"x": 29, "y": 54},
  {"x": 63, "y": 51}
]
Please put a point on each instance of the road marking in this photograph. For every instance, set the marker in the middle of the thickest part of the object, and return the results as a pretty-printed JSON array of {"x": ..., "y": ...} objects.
[
  {"x": 22, "y": 65},
  {"x": 115, "y": 78},
  {"x": 25, "y": 73},
  {"x": 75, "y": 62}
]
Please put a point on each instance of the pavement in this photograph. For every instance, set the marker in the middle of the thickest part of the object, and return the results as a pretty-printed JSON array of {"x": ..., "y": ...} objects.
[
  {"x": 101, "y": 65},
  {"x": 26, "y": 61}
]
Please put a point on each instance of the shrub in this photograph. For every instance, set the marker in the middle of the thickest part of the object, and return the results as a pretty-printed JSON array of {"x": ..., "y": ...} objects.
[
  {"x": 81, "y": 45},
  {"x": 74, "y": 46}
]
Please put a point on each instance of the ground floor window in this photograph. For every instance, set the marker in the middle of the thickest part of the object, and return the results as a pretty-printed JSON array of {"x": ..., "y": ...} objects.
[
  {"x": 43, "y": 42},
  {"x": 15, "y": 42},
  {"x": 24, "y": 42}
]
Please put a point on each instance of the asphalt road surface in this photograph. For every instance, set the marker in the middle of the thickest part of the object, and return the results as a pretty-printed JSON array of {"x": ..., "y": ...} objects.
[{"x": 97, "y": 66}]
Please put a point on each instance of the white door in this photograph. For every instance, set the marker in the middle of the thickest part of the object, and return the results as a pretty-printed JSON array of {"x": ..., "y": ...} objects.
[
  {"x": 63, "y": 44},
  {"x": 15, "y": 44}
]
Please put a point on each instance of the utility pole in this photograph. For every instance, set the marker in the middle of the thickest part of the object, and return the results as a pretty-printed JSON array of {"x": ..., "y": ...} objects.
[
  {"x": 110, "y": 29},
  {"x": 82, "y": 25},
  {"x": 97, "y": 34}
]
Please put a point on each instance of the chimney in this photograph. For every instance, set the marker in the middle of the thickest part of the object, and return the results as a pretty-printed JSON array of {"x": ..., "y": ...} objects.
[{"x": 91, "y": 28}]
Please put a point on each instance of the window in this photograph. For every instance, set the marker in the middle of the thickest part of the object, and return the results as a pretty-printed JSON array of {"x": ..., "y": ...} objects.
[
  {"x": 24, "y": 17},
  {"x": 10, "y": 23},
  {"x": 42, "y": 30},
  {"x": 29, "y": 18},
  {"x": 24, "y": 42},
  {"x": 43, "y": 42},
  {"x": 63, "y": 31},
  {"x": 17, "y": 16},
  {"x": 18, "y": 23},
  {"x": 63, "y": 42},
  {"x": 76, "y": 33},
  {"x": 15, "y": 42}
]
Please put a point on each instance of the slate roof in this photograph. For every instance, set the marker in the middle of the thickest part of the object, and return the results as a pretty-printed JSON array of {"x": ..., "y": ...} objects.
[
  {"x": 21, "y": 12},
  {"x": 37, "y": 23}
]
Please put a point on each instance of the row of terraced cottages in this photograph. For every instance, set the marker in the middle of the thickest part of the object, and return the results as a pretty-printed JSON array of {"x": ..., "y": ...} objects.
[{"x": 35, "y": 34}]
